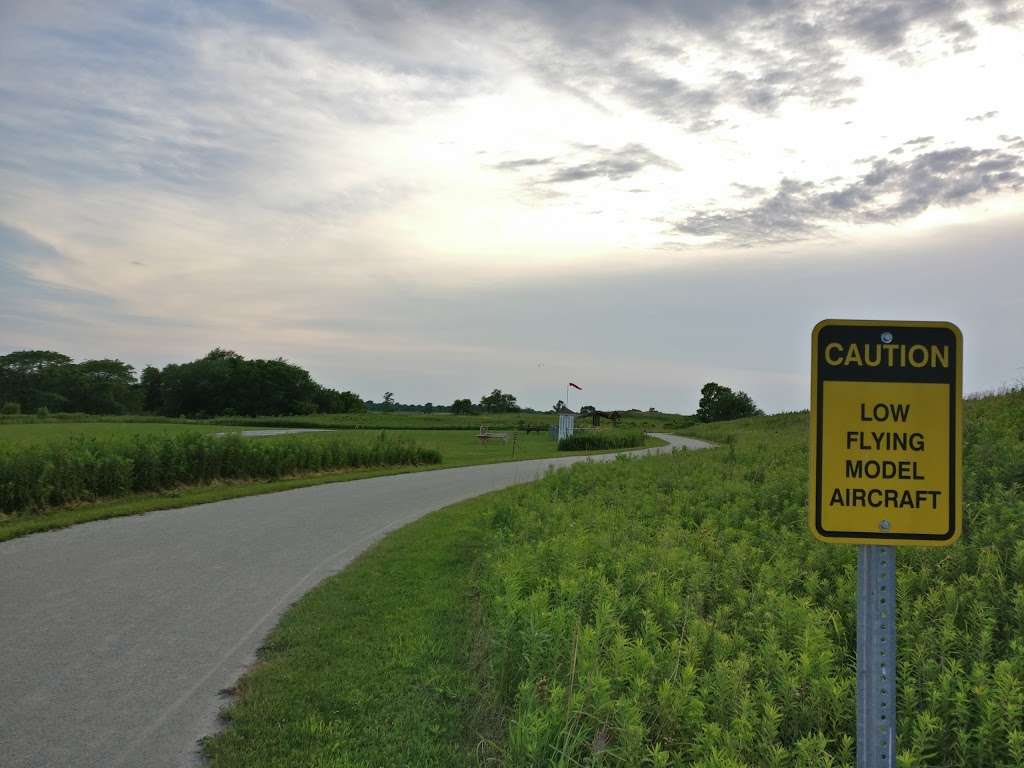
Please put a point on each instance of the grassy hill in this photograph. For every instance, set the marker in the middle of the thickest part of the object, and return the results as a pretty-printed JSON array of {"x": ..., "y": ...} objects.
[{"x": 666, "y": 611}]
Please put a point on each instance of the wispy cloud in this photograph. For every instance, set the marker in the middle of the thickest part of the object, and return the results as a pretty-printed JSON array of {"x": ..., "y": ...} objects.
[
  {"x": 525, "y": 162},
  {"x": 614, "y": 164},
  {"x": 584, "y": 163},
  {"x": 984, "y": 116},
  {"x": 762, "y": 55},
  {"x": 889, "y": 192},
  {"x": 32, "y": 306}
]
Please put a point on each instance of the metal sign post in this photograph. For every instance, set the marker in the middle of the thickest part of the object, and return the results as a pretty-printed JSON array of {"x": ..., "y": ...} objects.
[
  {"x": 876, "y": 656},
  {"x": 885, "y": 471}
]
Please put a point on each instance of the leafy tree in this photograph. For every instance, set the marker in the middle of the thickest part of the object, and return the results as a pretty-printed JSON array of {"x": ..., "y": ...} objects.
[
  {"x": 43, "y": 379},
  {"x": 273, "y": 387},
  {"x": 557, "y": 407},
  {"x": 103, "y": 386},
  {"x": 35, "y": 378},
  {"x": 225, "y": 383},
  {"x": 719, "y": 403},
  {"x": 205, "y": 387},
  {"x": 428, "y": 407},
  {"x": 389, "y": 401},
  {"x": 221, "y": 383},
  {"x": 499, "y": 402},
  {"x": 462, "y": 406},
  {"x": 34, "y": 362},
  {"x": 331, "y": 401},
  {"x": 586, "y": 410},
  {"x": 152, "y": 395}
]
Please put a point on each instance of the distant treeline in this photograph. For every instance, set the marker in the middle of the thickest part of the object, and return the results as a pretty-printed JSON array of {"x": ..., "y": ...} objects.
[
  {"x": 496, "y": 402},
  {"x": 221, "y": 384}
]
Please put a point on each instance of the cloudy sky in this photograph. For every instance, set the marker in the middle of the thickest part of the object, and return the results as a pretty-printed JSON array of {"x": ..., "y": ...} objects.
[{"x": 442, "y": 197}]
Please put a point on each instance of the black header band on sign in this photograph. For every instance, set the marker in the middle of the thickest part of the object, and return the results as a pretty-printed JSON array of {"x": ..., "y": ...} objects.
[{"x": 869, "y": 338}]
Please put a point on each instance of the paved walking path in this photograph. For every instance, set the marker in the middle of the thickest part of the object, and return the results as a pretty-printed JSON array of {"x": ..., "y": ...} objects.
[
  {"x": 116, "y": 635},
  {"x": 273, "y": 431}
]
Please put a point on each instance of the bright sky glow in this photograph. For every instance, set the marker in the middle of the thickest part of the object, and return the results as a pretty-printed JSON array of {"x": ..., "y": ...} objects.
[{"x": 439, "y": 199}]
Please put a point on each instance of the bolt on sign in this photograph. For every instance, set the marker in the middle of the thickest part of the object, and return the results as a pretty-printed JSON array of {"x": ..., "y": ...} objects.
[{"x": 885, "y": 432}]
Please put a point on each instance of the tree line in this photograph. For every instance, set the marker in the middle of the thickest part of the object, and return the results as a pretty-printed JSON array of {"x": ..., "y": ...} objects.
[
  {"x": 495, "y": 402},
  {"x": 223, "y": 383},
  {"x": 720, "y": 403}
]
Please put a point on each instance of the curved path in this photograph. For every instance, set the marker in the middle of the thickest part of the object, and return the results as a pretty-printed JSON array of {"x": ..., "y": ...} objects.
[
  {"x": 116, "y": 635},
  {"x": 274, "y": 431}
]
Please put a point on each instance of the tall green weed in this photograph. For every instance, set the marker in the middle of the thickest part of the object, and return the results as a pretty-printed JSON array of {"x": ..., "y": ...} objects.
[
  {"x": 600, "y": 440},
  {"x": 676, "y": 611},
  {"x": 39, "y": 477}
]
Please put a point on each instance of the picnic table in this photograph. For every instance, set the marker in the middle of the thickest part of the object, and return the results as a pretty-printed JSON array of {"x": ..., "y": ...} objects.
[{"x": 485, "y": 435}]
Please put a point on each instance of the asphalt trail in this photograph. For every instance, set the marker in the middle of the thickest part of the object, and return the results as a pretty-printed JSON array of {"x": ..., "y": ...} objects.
[
  {"x": 273, "y": 431},
  {"x": 117, "y": 635}
]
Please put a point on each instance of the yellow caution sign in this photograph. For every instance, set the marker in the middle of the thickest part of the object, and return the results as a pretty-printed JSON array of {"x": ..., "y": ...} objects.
[{"x": 885, "y": 432}]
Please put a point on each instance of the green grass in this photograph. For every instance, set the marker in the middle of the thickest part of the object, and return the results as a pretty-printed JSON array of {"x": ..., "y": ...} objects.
[
  {"x": 377, "y": 420},
  {"x": 374, "y": 420},
  {"x": 496, "y": 421},
  {"x": 35, "y": 479},
  {"x": 665, "y": 611},
  {"x": 458, "y": 448},
  {"x": 37, "y": 433},
  {"x": 376, "y": 666}
]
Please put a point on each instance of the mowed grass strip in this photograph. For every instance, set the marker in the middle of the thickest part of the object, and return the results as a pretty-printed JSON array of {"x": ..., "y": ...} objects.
[
  {"x": 375, "y": 420},
  {"x": 22, "y": 435},
  {"x": 375, "y": 666}
]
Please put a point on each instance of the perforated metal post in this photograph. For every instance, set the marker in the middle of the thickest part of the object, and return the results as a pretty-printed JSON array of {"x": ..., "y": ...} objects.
[{"x": 876, "y": 657}]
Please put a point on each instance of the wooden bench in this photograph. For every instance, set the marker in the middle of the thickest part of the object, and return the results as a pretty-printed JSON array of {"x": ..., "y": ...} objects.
[{"x": 486, "y": 434}]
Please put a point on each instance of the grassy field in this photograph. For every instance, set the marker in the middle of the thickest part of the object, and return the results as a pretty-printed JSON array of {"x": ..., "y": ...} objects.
[
  {"x": 419, "y": 421},
  {"x": 461, "y": 448},
  {"x": 665, "y": 611},
  {"x": 497, "y": 421},
  {"x": 376, "y": 420},
  {"x": 25, "y": 434},
  {"x": 33, "y": 456}
]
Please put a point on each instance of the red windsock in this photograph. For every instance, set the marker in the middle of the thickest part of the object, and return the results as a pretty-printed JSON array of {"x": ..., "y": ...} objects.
[{"x": 576, "y": 386}]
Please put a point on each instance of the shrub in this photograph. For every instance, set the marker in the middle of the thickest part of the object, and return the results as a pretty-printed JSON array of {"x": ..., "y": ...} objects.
[
  {"x": 718, "y": 403},
  {"x": 600, "y": 440},
  {"x": 35, "y": 478},
  {"x": 10, "y": 409}
]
